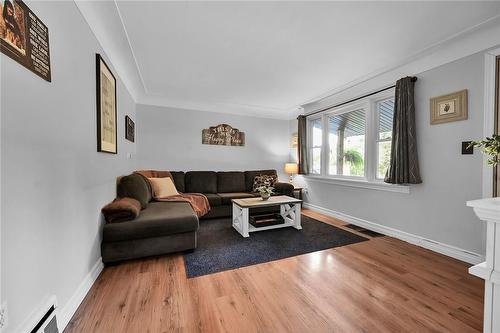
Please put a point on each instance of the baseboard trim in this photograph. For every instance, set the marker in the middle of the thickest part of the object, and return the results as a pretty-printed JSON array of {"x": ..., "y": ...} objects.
[
  {"x": 65, "y": 314},
  {"x": 442, "y": 248}
]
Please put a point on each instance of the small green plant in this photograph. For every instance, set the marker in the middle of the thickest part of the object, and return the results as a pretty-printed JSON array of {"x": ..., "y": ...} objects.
[
  {"x": 355, "y": 160},
  {"x": 265, "y": 190},
  {"x": 489, "y": 146}
]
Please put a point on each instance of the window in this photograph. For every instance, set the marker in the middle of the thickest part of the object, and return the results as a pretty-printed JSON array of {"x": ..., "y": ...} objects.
[
  {"x": 385, "y": 114},
  {"x": 316, "y": 130},
  {"x": 353, "y": 141},
  {"x": 346, "y": 141}
]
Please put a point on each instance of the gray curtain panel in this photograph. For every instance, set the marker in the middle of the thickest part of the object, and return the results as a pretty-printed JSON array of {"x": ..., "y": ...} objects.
[
  {"x": 302, "y": 146},
  {"x": 403, "y": 168}
]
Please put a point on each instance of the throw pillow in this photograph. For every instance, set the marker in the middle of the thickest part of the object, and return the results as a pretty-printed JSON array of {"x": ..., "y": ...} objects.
[
  {"x": 134, "y": 186},
  {"x": 163, "y": 187},
  {"x": 264, "y": 180}
]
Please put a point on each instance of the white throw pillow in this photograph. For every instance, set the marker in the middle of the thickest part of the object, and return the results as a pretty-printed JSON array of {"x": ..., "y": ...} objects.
[{"x": 163, "y": 187}]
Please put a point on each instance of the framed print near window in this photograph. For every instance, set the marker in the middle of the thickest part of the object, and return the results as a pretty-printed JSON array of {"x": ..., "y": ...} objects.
[
  {"x": 129, "y": 129},
  {"x": 106, "y": 108},
  {"x": 451, "y": 107}
]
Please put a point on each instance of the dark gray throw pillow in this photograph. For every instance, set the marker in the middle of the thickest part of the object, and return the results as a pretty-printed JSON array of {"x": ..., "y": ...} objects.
[{"x": 135, "y": 186}]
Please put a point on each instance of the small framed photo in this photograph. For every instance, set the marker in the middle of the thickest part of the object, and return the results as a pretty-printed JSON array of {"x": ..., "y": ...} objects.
[
  {"x": 447, "y": 108},
  {"x": 129, "y": 129}
]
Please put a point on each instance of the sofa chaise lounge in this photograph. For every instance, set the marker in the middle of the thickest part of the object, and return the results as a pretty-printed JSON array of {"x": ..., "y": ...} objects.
[{"x": 166, "y": 227}]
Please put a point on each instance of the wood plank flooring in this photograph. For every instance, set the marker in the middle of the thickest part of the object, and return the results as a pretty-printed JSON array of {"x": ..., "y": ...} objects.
[{"x": 381, "y": 285}]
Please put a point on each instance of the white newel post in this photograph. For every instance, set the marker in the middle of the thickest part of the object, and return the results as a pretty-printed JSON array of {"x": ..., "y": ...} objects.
[{"x": 488, "y": 210}]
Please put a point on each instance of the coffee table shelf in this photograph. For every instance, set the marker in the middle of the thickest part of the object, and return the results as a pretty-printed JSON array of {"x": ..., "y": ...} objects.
[{"x": 289, "y": 210}]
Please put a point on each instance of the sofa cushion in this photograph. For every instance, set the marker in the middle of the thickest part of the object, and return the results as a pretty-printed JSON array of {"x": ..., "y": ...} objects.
[
  {"x": 226, "y": 197},
  {"x": 134, "y": 186},
  {"x": 250, "y": 176},
  {"x": 213, "y": 199},
  {"x": 230, "y": 181},
  {"x": 163, "y": 187},
  {"x": 159, "y": 219},
  {"x": 201, "y": 182},
  {"x": 179, "y": 180}
]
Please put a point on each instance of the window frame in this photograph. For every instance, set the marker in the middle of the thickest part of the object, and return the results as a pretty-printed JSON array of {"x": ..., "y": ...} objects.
[
  {"x": 377, "y": 138},
  {"x": 369, "y": 180},
  {"x": 310, "y": 147},
  {"x": 336, "y": 112}
]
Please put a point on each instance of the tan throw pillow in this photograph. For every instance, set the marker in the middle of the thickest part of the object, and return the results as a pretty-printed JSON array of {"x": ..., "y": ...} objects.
[{"x": 163, "y": 187}]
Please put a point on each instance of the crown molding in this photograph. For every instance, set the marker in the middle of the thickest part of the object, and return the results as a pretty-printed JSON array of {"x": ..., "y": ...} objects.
[
  {"x": 144, "y": 87},
  {"x": 477, "y": 38},
  {"x": 480, "y": 37},
  {"x": 110, "y": 43},
  {"x": 219, "y": 107}
]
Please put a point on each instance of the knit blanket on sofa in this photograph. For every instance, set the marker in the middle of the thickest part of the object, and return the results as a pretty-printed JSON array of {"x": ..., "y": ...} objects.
[{"x": 198, "y": 201}]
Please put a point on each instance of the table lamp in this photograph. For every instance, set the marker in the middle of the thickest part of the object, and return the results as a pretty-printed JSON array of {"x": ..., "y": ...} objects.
[{"x": 291, "y": 169}]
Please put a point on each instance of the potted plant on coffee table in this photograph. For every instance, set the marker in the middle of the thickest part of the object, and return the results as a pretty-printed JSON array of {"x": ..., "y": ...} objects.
[{"x": 265, "y": 191}]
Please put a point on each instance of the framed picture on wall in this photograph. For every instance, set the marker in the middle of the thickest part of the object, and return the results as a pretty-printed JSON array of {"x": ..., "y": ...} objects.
[
  {"x": 106, "y": 108},
  {"x": 447, "y": 108},
  {"x": 129, "y": 129}
]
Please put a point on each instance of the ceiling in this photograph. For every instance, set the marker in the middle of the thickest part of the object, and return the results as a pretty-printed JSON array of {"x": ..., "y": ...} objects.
[{"x": 270, "y": 57}]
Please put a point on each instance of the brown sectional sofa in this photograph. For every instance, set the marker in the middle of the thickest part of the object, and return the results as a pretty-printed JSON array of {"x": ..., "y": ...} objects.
[{"x": 165, "y": 227}]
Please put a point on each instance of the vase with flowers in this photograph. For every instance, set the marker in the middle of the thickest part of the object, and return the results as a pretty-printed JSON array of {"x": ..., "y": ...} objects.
[{"x": 265, "y": 191}]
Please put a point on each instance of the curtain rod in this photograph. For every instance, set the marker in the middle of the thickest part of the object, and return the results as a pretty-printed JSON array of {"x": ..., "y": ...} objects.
[{"x": 413, "y": 79}]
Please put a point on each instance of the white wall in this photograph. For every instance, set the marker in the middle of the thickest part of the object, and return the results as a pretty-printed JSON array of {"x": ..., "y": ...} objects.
[
  {"x": 54, "y": 181},
  {"x": 170, "y": 139},
  {"x": 435, "y": 209}
]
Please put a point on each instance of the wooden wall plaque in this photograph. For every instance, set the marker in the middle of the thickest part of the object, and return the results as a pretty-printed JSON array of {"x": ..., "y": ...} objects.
[{"x": 223, "y": 135}]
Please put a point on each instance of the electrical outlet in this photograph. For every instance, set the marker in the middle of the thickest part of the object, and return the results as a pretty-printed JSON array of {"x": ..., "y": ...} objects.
[{"x": 3, "y": 316}]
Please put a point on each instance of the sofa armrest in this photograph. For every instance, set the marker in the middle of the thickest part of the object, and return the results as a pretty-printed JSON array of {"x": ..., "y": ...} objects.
[{"x": 284, "y": 188}]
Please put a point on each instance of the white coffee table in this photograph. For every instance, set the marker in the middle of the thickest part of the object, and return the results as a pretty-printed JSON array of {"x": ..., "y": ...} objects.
[{"x": 289, "y": 210}]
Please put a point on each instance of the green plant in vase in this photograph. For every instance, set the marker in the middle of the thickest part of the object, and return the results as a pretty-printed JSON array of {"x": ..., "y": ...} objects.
[
  {"x": 265, "y": 191},
  {"x": 489, "y": 146}
]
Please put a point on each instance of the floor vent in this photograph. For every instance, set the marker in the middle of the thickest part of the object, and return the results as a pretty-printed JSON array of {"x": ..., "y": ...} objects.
[{"x": 48, "y": 324}]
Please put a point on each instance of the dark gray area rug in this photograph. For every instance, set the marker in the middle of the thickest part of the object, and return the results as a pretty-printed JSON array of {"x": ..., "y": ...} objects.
[{"x": 221, "y": 248}]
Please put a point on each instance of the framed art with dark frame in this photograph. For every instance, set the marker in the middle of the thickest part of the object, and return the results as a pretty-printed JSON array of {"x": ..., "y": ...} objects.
[
  {"x": 107, "y": 139},
  {"x": 129, "y": 129}
]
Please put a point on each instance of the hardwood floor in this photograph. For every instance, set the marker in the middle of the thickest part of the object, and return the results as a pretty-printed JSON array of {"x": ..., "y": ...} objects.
[{"x": 381, "y": 285}]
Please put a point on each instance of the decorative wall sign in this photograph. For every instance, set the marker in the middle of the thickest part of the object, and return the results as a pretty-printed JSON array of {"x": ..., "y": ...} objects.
[
  {"x": 24, "y": 38},
  {"x": 106, "y": 108},
  {"x": 129, "y": 129},
  {"x": 451, "y": 107},
  {"x": 224, "y": 135}
]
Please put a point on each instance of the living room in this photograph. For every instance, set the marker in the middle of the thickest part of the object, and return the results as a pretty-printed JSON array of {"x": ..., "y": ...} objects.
[{"x": 249, "y": 166}]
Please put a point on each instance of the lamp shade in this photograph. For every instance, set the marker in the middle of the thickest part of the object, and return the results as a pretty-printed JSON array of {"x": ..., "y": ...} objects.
[{"x": 291, "y": 168}]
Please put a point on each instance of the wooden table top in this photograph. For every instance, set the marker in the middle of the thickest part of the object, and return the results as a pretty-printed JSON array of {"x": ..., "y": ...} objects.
[{"x": 258, "y": 202}]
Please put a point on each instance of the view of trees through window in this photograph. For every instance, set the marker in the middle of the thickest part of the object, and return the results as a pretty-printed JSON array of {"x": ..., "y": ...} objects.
[{"x": 346, "y": 136}]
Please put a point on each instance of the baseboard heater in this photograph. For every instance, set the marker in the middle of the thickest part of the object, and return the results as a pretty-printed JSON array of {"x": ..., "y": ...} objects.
[{"x": 48, "y": 323}]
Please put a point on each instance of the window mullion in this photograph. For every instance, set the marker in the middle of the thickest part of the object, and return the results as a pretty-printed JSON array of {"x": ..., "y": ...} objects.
[{"x": 325, "y": 147}]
